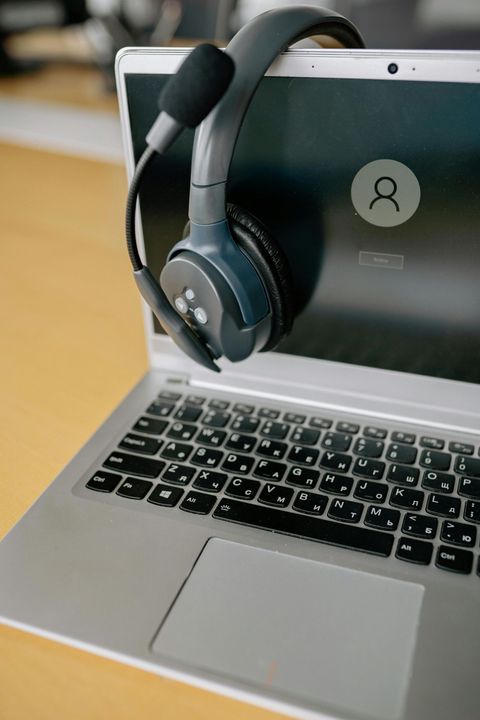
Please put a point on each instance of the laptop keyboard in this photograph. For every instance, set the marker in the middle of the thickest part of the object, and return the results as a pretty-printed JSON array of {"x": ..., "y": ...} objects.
[{"x": 339, "y": 482}]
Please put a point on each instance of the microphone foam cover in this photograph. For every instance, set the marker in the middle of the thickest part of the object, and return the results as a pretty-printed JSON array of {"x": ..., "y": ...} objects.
[{"x": 197, "y": 86}]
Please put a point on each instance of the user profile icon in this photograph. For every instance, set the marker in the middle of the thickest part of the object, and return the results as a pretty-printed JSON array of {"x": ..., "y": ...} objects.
[{"x": 385, "y": 193}]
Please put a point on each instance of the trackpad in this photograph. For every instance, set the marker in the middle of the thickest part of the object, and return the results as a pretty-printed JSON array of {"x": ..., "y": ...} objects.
[{"x": 320, "y": 635}]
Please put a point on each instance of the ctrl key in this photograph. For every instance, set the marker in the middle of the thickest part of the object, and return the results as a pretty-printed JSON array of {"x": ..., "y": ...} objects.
[
  {"x": 105, "y": 482},
  {"x": 459, "y": 561}
]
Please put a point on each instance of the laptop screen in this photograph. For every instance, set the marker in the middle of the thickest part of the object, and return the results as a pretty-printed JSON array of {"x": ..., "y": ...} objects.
[{"x": 372, "y": 189}]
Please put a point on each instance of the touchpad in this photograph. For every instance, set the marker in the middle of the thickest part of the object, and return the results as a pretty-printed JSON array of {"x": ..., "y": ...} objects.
[{"x": 319, "y": 635}]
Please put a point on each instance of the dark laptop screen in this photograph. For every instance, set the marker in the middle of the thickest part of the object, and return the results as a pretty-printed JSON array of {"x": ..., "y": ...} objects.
[{"x": 372, "y": 188}]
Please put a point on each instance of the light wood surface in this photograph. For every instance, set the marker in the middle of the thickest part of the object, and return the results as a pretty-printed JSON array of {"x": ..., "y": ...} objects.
[{"x": 71, "y": 347}]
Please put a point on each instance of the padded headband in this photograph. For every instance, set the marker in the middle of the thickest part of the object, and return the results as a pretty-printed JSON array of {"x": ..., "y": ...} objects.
[{"x": 253, "y": 50}]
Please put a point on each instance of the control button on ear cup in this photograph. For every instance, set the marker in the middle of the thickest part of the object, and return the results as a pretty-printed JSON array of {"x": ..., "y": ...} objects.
[{"x": 271, "y": 264}]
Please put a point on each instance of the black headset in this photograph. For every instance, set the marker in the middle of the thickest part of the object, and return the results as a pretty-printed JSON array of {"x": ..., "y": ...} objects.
[{"x": 226, "y": 289}]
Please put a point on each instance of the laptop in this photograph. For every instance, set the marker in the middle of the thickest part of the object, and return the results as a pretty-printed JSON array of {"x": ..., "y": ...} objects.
[{"x": 299, "y": 531}]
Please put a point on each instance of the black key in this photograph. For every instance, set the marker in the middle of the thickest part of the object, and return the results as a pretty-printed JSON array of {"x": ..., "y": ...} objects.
[
  {"x": 243, "y": 443},
  {"x": 196, "y": 400},
  {"x": 345, "y": 510},
  {"x": 151, "y": 426},
  {"x": 470, "y": 487},
  {"x": 458, "y": 533},
  {"x": 339, "y": 442},
  {"x": 366, "y": 468},
  {"x": 308, "y": 502},
  {"x": 438, "y": 481},
  {"x": 443, "y": 505},
  {"x": 454, "y": 560},
  {"x": 217, "y": 404},
  {"x": 188, "y": 413},
  {"x": 104, "y": 481},
  {"x": 207, "y": 457},
  {"x": 210, "y": 480},
  {"x": 243, "y": 408},
  {"x": 336, "y": 484},
  {"x": 420, "y": 526},
  {"x": 235, "y": 463},
  {"x": 374, "y": 432},
  {"x": 176, "y": 451},
  {"x": 270, "y": 470},
  {"x": 245, "y": 424},
  {"x": 403, "y": 437},
  {"x": 467, "y": 466},
  {"x": 336, "y": 461},
  {"x": 164, "y": 495},
  {"x": 216, "y": 418},
  {"x": 371, "y": 491},
  {"x": 243, "y": 488},
  {"x": 347, "y": 427},
  {"x": 414, "y": 551},
  {"x": 406, "y": 499},
  {"x": 317, "y": 529},
  {"x": 140, "y": 444},
  {"x": 435, "y": 460},
  {"x": 382, "y": 517},
  {"x": 211, "y": 436},
  {"x": 197, "y": 502},
  {"x": 368, "y": 448},
  {"x": 163, "y": 409},
  {"x": 179, "y": 474},
  {"x": 462, "y": 448},
  {"x": 403, "y": 475},
  {"x": 302, "y": 477},
  {"x": 321, "y": 423},
  {"x": 303, "y": 455},
  {"x": 169, "y": 395},
  {"x": 275, "y": 430},
  {"x": 291, "y": 417},
  {"x": 275, "y": 495},
  {"x": 134, "y": 489},
  {"x": 182, "y": 431},
  {"x": 272, "y": 448},
  {"x": 401, "y": 453},
  {"x": 133, "y": 465},
  {"x": 432, "y": 443},
  {"x": 472, "y": 511},
  {"x": 305, "y": 436},
  {"x": 269, "y": 413}
]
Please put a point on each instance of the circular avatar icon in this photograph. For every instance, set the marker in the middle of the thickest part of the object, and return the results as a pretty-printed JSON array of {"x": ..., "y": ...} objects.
[{"x": 385, "y": 193}]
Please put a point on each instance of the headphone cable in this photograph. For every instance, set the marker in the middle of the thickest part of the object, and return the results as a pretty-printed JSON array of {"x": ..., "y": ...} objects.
[{"x": 132, "y": 198}]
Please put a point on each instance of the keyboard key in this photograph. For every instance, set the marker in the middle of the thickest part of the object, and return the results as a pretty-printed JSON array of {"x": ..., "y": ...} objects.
[
  {"x": 304, "y": 477},
  {"x": 435, "y": 460},
  {"x": 210, "y": 480},
  {"x": 414, "y": 551},
  {"x": 305, "y": 436},
  {"x": 271, "y": 448},
  {"x": 238, "y": 463},
  {"x": 243, "y": 488},
  {"x": 454, "y": 560},
  {"x": 196, "y": 400},
  {"x": 243, "y": 408},
  {"x": 217, "y": 404},
  {"x": 432, "y": 443},
  {"x": 382, "y": 517},
  {"x": 310, "y": 528},
  {"x": 443, "y": 505},
  {"x": 275, "y": 430},
  {"x": 188, "y": 413},
  {"x": 197, "y": 502},
  {"x": 165, "y": 496},
  {"x": 270, "y": 470},
  {"x": 216, "y": 418},
  {"x": 467, "y": 466},
  {"x": 207, "y": 457},
  {"x": 472, "y": 511},
  {"x": 182, "y": 431},
  {"x": 366, "y": 468},
  {"x": 211, "y": 436},
  {"x": 104, "y": 481},
  {"x": 151, "y": 426},
  {"x": 403, "y": 475},
  {"x": 321, "y": 423},
  {"x": 438, "y": 481},
  {"x": 403, "y": 437},
  {"x": 461, "y": 448},
  {"x": 336, "y": 484},
  {"x": 243, "y": 443},
  {"x": 420, "y": 526},
  {"x": 134, "y": 489},
  {"x": 245, "y": 424},
  {"x": 269, "y": 413},
  {"x": 163, "y": 409},
  {"x": 347, "y": 427},
  {"x": 374, "y": 432},
  {"x": 336, "y": 461},
  {"x": 469, "y": 487},
  {"x": 401, "y": 453},
  {"x": 303, "y": 455},
  {"x": 178, "y": 474},
  {"x": 176, "y": 451},
  {"x": 134, "y": 465},
  {"x": 291, "y": 417},
  {"x": 308, "y": 502},
  {"x": 169, "y": 395},
  {"x": 458, "y": 533},
  {"x": 339, "y": 442},
  {"x": 406, "y": 499},
  {"x": 345, "y": 510},
  {"x": 140, "y": 444},
  {"x": 371, "y": 491},
  {"x": 275, "y": 495},
  {"x": 368, "y": 448}
]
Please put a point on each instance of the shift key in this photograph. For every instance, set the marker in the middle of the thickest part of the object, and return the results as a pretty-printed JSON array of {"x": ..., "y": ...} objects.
[{"x": 134, "y": 465}]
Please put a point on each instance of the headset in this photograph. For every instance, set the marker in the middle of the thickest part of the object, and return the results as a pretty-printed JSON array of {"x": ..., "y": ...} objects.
[{"x": 226, "y": 289}]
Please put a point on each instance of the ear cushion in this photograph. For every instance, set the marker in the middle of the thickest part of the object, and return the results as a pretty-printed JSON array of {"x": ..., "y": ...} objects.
[{"x": 270, "y": 261}]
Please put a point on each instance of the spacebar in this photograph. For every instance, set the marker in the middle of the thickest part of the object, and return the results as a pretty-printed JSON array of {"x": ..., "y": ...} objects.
[{"x": 333, "y": 533}]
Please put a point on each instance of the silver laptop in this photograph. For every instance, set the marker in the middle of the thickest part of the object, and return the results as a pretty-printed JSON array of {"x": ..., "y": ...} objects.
[{"x": 300, "y": 531}]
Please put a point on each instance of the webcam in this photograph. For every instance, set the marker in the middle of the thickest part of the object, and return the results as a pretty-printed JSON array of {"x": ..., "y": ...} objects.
[{"x": 393, "y": 68}]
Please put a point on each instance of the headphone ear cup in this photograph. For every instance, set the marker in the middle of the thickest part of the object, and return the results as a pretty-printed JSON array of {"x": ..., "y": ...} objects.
[{"x": 271, "y": 263}]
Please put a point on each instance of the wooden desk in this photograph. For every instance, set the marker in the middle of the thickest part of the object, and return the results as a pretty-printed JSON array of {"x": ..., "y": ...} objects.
[{"x": 71, "y": 347}]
